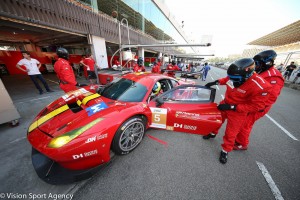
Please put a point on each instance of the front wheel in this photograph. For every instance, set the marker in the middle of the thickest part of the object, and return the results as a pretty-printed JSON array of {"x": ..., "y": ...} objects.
[{"x": 128, "y": 136}]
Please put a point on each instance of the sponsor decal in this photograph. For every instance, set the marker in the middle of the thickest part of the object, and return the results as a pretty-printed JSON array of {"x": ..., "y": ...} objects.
[
  {"x": 95, "y": 138},
  {"x": 230, "y": 84},
  {"x": 264, "y": 94},
  {"x": 273, "y": 82},
  {"x": 144, "y": 105},
  {"x": 75, "y": 93},
  {"x": 159, "y": 117},
  {"x": 241, "y": 91},
  {"x": 187, "y": 115},
  {"x": 184, "y": 126},
  {"x": 96, "y": 108},
  {"x": 86, "y": 154}
]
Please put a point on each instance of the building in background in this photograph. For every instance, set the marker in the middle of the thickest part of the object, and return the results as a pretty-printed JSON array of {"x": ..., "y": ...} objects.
[
  {"x": 87, "y": 25},
  {"x": 285, "y": 41}
]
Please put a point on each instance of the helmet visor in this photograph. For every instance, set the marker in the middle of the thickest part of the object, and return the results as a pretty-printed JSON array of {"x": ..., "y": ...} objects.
[{"x": 235, "y": 78}]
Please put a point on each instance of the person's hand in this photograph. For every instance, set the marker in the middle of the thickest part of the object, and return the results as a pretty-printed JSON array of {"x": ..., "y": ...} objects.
[
  {"x": 226, "y": 107},
  {"x": 211, "y": 84}
]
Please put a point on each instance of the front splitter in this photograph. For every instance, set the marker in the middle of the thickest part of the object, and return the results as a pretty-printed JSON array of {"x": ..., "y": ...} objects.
[{"x": 51, "y": 172}]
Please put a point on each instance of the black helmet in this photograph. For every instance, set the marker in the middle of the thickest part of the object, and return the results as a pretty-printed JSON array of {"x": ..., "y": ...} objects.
[
  {"x": 264, "y": 60},
  {"x": 140, "y": 61},
  {"x": 173, "y": 62},
  {"x": 238, "y": 71},
  {"x": 62, "y": 53}
]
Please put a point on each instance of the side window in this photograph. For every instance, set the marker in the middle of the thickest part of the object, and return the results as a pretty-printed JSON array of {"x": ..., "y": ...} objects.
[
  {"x": 188, "y": 94},
  {"x": 165, "y": 86},
  {"x": 174, "y": 83}
]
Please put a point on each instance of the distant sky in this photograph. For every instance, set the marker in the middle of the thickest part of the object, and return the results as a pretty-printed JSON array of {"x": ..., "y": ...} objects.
[{"x": 233, "y": 23}]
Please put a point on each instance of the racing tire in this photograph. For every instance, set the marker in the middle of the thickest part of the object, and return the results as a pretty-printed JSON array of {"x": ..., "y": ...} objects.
[{"x": 128, "y": 136}]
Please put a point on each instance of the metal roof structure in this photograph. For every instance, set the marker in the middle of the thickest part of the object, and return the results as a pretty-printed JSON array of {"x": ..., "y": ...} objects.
[{"x": 286, "y": 35}]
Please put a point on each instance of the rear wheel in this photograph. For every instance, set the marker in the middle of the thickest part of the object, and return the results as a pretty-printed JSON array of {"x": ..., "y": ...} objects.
[{"x": 128, "y": 136}]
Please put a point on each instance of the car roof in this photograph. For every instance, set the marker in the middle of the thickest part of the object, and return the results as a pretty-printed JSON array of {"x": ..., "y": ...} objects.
[{"x": 145, "y": 77}]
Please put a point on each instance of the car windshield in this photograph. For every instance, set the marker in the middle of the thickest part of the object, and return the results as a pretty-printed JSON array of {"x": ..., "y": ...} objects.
[{"x": 125, "y": 90}]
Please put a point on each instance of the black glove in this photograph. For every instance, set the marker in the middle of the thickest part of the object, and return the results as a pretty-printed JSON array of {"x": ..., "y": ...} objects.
[
  {"x": 211, "y": 83},
  {"x": 80, "y": 85},
  {"x": 226, "y": 107}
]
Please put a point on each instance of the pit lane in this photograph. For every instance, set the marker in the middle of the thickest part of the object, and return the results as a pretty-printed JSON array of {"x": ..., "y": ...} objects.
[{"x": 183, "y": 167}]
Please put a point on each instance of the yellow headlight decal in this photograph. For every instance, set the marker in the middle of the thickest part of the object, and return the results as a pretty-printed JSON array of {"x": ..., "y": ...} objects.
[
  {"x": 67, "y": 137},
  {"x": 45, "y": 118},
  {"x": 88, "y": 98}
]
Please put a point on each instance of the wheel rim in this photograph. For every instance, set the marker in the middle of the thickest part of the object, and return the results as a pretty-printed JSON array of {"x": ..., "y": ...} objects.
[{"x": 131, "y": 136}]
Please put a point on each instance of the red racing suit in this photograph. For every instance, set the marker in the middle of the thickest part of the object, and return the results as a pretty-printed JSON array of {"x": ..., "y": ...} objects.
[
  {"x": 274, "y": 77},
  {"x": 89, "y": 62},
  {"x": 65, "y": 74},
  {"x": 138, "y": 68},
  {"x": 155, "y": 69},
  {"x": 172, "y": 67},
  {"x": 249, "y": 97}
]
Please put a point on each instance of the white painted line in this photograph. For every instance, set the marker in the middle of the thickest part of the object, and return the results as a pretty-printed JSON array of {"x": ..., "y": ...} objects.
[
  {"x": 222, "y": 96},
  {"x": 283, "y": 129},
  {"x": 211, "y": 77},
  {"x": 40, "y": 98},
  {"x": 52, "y": 81},
  {"x": 34, "y": 99},
  {"x": 217, "y": 87},
  {"x": 17, "y": 140},
  {"x": 270, "y": 181}
]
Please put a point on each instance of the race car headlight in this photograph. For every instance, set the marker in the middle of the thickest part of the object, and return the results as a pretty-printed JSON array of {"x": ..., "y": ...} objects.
[{"x": 61, "y": 140}]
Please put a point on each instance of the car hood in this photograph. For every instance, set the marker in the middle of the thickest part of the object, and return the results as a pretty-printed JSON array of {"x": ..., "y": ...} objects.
[{"x": 74, "y": 111}]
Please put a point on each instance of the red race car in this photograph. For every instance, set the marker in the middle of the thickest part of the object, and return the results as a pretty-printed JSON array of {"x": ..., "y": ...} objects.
[{"x": 76, "y": 133}]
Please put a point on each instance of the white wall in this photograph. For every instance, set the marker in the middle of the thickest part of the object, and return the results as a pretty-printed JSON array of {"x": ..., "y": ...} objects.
[{"x": 99, "y": 51}]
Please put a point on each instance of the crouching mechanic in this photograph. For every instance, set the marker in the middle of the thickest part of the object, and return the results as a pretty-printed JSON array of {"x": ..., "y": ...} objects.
[
  {"x": 246, "y": 92},
  {"x": 64, "y": 71},
  {"x": 264, "y": 66}
]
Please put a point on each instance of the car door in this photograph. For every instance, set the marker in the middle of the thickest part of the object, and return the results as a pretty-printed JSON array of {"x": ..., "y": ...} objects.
[{"x": 186, "y": 108}]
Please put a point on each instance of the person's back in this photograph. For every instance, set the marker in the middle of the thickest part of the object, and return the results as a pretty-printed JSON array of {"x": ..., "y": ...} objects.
[
  {"x": 64, "y": 71},
  {"x": 155, "y": 68},
  {"x": 248, "y": 95}
]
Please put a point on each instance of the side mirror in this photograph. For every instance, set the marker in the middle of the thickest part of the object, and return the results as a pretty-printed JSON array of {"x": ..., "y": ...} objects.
[{"x": 159, "y": 102}]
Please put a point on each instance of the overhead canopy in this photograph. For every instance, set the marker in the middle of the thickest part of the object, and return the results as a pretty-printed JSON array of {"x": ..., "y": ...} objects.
[{"x": 286, "y": 35}]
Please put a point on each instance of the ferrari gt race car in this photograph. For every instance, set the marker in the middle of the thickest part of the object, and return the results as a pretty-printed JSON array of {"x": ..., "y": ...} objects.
[{"x": 73, "y": 136}]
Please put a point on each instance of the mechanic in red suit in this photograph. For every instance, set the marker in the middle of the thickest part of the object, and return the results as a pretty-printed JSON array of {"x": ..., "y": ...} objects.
[
  {"x": 155, "y": 68},
  {"x": 246, "y": 92},
  {"x": 139, "y": 67},
  {"x": 64, "y": 71},
  {"x": 90, "y": 64},
  {"x": 172, "y": 67},
  {"x": 264, "y": 62}
]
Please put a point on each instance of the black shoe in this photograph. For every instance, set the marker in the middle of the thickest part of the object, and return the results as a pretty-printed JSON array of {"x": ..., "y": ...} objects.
[
  {"x": 50, "y": 91},
  {"x": 211, "y": 135},
  {"x": 41, "y": 92},
  {"x": 223, "y": 157}
]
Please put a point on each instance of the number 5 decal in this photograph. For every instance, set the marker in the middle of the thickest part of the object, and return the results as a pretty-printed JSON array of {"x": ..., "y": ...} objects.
[{"x": 159, "y": 117}]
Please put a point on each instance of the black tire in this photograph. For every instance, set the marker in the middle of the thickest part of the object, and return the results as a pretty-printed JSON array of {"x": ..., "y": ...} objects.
[{"x": 128, "y": 136}]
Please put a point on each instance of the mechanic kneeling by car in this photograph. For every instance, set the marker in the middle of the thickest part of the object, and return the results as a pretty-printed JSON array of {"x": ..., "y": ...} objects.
[{"x": 246, "y": 92}]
